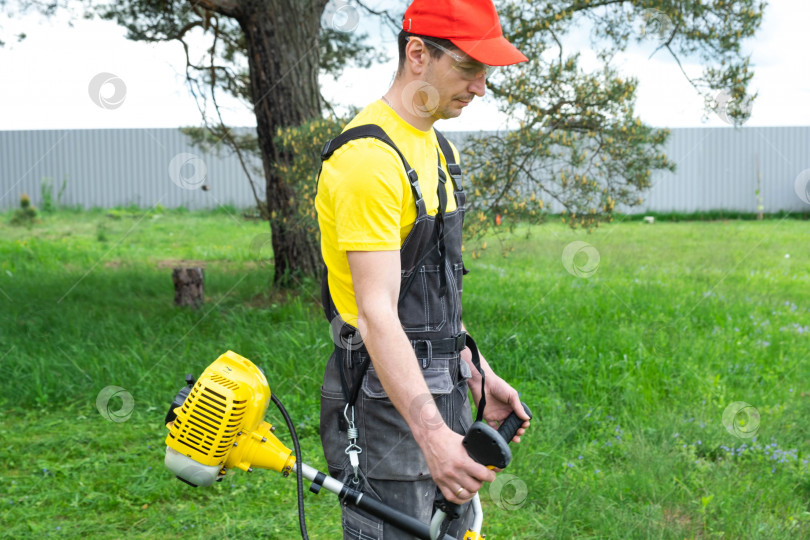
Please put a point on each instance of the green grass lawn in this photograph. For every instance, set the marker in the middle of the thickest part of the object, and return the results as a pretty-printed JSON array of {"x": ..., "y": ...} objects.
[{"x": 628, "y": 368}]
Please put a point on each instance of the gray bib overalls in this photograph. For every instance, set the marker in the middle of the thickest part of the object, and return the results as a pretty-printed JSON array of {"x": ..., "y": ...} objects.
[{"x": 392, "y": 466}]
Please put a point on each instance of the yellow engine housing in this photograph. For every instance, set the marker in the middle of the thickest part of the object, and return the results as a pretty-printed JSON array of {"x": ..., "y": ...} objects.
[{"x": 221, "y": 424}]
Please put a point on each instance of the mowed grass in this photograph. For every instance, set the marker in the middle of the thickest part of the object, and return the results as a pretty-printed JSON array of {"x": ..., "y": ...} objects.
[{"x": 628, "y": 368}]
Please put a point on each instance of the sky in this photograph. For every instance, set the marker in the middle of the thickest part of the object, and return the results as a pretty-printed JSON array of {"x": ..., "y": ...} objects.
[{"x": 89, "y": 75}]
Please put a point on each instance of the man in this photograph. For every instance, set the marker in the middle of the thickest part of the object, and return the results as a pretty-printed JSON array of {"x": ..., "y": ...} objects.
[{"x": 394, "y": 402}]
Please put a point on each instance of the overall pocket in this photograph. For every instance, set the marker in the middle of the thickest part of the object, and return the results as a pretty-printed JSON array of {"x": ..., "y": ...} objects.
[
  {"x": 333, "y": 435},
  {"x": 437, "y": 377},
  {"x": 422, "y": 309},
  {"x": 458, "y": 273}
]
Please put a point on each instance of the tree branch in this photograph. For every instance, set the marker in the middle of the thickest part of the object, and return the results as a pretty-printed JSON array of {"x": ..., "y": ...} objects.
[
  {"x": 223, "y": 7},
  {"x": 385, "y": 14},
  {"x": 668, "y": 42},
  {"x": 225, "y": 133},
  {"x": 678, "y": 61}
]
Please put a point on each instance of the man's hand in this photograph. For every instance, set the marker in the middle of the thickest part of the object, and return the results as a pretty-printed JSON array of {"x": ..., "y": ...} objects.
[
  {"x": 502, "y": 400},
  {"x": 451, "y": 467}
]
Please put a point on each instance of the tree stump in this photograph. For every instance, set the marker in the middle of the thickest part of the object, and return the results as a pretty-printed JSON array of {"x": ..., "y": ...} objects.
[{"x": 188, "y": 286}]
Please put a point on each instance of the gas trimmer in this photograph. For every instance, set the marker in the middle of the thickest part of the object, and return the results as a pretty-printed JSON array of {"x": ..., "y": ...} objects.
[{"x": 217, "y": 423}]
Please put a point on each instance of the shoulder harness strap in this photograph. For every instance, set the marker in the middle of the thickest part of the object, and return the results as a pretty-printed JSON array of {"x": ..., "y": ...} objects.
[
  {"x": 375, "y": 132},
  {"x": 452, "y": 167}
]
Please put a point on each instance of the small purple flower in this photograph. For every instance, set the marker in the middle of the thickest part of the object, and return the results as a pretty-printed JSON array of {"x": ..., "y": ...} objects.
[{"x": 580, "y": 457}]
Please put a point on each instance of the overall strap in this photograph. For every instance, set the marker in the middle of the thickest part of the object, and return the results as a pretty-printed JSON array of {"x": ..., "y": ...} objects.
[
  {"x": 372, "y": 131},
  {"x": 439, "y": 229},
  {"x": 437, "y": 241},
  {"x": 452, "y": 167},
  {"x": 476, "y": 359}
]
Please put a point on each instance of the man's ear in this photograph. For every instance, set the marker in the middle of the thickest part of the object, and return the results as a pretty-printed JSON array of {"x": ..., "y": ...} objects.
[{"x": 416, "y": 55}]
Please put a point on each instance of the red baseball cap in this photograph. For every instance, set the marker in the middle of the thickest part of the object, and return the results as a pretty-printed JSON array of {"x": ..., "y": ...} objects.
[{"x": 471, "y": 25}]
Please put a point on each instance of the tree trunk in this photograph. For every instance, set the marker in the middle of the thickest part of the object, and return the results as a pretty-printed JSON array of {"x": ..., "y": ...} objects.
[
  {"x": 188, "y": 286},
  {"x": 283, "y": 56}
]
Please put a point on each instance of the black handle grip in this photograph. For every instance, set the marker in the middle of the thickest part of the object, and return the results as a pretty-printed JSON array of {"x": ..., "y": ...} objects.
[{"x": 509, "y": 427}]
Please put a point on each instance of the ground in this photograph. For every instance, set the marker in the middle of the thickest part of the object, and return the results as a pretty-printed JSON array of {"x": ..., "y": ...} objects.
[{"x": 628, "y": 349}]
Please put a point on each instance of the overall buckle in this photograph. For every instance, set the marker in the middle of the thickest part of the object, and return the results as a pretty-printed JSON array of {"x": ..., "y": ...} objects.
[{"x": 461, "y": 341}]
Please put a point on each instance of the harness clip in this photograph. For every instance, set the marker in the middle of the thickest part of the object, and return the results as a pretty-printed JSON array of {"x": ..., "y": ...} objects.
[
  {"x": 461, "y": 341},
  {"x": 414, "y": 179},
  {"x": 352, "y": 449},
  {"x": 325, "y": 150},
  {"x": 455, "y": 171}
]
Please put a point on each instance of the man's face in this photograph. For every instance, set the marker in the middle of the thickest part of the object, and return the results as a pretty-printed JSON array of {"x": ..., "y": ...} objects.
[{"x": 456, "y": 82}]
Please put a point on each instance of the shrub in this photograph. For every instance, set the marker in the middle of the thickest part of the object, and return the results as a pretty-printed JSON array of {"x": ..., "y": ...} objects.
[{"x": 26, "y": 214}]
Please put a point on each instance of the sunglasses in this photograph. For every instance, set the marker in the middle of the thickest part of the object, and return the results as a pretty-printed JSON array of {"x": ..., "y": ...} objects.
[{"x": 468, "y": 68}]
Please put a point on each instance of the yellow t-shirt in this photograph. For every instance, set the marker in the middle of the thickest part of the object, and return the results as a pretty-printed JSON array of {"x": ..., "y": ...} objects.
[{"x": 364, "y": 199}]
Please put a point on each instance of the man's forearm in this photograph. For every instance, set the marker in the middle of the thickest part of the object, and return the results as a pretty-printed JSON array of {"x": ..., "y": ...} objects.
[{"x": 398, "y": 369}]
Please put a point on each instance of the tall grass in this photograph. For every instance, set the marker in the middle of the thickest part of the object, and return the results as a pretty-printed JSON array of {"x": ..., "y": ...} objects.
[{"x": 628, "y": 372}]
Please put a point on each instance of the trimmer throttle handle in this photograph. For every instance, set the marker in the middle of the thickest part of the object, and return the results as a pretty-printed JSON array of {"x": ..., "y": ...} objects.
[
  {"x": 490, "y": 447},
  {"x": 509, "y": 427}
]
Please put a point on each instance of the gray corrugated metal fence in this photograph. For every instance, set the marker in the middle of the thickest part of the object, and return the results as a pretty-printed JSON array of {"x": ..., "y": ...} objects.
[
  {"x": 117, "y": 167},
  {"x": 716, "y": 169}
]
